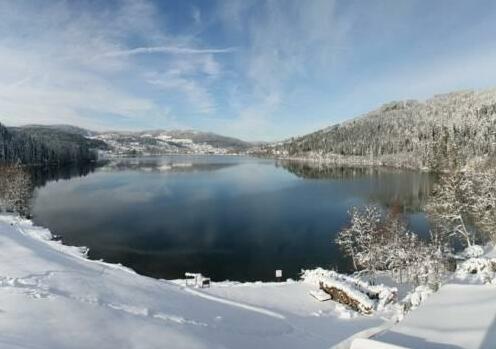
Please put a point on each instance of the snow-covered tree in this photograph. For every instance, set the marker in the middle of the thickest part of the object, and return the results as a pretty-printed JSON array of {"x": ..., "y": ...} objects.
[
  {"x": 483, "y": 203},
  {"x": 357, "y": 240},
  {"x": 374, "y": 241},
  {"x": 441, "y": 133},
  {"x": 379, "y": 242},
  {"x": 463, "y": 205},
  {"x": 450, "y": 206}
]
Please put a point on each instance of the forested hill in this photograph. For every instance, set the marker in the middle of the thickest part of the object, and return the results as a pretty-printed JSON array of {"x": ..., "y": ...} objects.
[
  {"x": 443, "y": 132},
  {"x": 45, "y": 145}
]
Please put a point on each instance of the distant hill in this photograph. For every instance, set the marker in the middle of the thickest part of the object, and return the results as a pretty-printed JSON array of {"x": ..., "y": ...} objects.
[
  {"x": 64, "y": 128},
  {"x": 443, "y": 132},
  {"x": 440, "y": 133},
  {"x": 209, "y": 138},
  {"x": 153, "y": 142},
  {"x": 46, "y": 145},
  {"x": 66, "y": 136},
  {"x": 175, "y": 141}
]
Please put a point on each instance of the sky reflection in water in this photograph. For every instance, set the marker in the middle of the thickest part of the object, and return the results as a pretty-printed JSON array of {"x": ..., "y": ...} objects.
[{"x": 227, "y": 217}]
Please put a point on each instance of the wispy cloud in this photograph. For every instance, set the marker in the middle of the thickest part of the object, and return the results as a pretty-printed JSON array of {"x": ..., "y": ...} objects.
[
  {"x": 70, "y": 63},
  {"x": 196, "y": 95},
  {"x": 258, "y": 69},
  {"x": 168, "y": 50},
  {"x": 287, "y": 44},
  {"x": 196, "y": 14},
  {"x": 46, "y": 74}
]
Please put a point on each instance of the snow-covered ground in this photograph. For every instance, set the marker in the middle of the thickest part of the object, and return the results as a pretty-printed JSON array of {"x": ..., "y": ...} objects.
[
  {"x": 462, "y": 314},
  {"x": 52, "y": 297},
  {"x": 458, "y": 316}
]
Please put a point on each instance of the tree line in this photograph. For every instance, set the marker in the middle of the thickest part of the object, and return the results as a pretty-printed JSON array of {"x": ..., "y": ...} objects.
[
  {"x": 461, "y": 211},
  {"x": 45, "y": 146},
  {"x": 441, "y": 133}
]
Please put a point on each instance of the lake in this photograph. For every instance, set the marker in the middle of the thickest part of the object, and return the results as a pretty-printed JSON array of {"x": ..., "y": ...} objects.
[{"x": 228, "y": 217}]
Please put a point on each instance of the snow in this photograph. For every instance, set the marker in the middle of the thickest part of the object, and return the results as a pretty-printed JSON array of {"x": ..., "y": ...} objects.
[
  {"x": 320, "y": 295},
  {"x": 317, "y": 319},
  {"x": 353, "y": 287},
  {"x": 415, "y": 298},
  {"x": 477, "y": 269},
  {"x": 366, "y": 343},
  {"x": 473, "y": 251},
  {"x": 462, "y": 314},
  {"x": 126, "y": 143},
  {"x": 51, "y": 296},
  {"x": 458, "y": 316}
]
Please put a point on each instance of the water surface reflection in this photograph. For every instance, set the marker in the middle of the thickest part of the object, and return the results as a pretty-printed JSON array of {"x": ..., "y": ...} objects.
[{"x": 227, "y": 217}]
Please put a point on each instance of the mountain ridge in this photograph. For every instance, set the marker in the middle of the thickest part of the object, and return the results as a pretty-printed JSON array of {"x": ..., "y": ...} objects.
[
  {"x": 147, "y": 142},
  {"x": 439, "y": 133}
]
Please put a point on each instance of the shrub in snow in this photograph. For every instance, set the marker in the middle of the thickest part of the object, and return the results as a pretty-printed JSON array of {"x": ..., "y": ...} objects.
[
  {"x": 416, "y": 297},
  {"x": 450, "y": 264},
  {"x": 419, "y": 295},
  {"x": 483, "y": 269},
  {"x": 478, "y": 265},
  {"x": 473, "y": 251}
]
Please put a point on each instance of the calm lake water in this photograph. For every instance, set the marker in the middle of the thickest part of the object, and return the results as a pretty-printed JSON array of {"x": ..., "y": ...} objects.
[{"x": 227, "y": 217}]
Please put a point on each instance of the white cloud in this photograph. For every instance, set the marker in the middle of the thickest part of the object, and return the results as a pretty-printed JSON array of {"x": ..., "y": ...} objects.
[
  {"x": 168, "y": 49},
  {"x": 259, "y": 69},
  {"x": 196, "y": 14},
  {"x": 196, "y": 95},
  {"x": 287, "y": 41},
  {"x": 46, "y": 71},
  {"x": 63, "y": 62}
]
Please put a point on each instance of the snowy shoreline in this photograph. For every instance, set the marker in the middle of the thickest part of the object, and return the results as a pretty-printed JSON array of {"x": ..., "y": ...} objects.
[
  {"x": 52, "y": 296},
  {"x": 346, "y": 161}
]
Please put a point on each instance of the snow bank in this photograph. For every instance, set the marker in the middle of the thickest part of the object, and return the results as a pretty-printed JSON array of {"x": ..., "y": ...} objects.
[
  {"x": 473, "y": 251},
  {"x": 458, "y": 316},
  {"x": 477, "y": 270},
  {"x": 51, "y": 296},
  {"x": 365, "y": 343},
  {"x": 415, "y": 298}
]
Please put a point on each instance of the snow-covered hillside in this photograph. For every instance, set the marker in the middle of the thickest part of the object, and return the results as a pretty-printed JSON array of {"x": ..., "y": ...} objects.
[
  {"x": 52, "y": 297},
  {"x": 167, "y": 142},
  {"x": 441, "y": 132}
]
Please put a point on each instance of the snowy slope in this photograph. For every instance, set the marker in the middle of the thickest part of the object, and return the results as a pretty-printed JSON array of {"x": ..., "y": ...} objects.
[
  {"x": 462, "y": 314},
  {"x": 51, "y": 297},
  {"x": 458, "y": 316}
]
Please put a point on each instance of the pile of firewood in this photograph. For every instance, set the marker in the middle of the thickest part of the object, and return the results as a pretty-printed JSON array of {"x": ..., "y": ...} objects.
[{"x": 343, "y": 297}]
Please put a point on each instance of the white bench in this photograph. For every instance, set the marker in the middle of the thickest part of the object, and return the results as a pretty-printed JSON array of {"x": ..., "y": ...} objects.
[{"x": 198, "y": 280}]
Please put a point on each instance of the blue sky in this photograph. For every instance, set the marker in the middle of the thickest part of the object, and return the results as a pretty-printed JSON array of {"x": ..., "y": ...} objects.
[{"x": 258, "y": 70}]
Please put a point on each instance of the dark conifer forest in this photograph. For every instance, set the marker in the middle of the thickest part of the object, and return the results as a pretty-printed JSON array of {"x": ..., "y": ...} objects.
[
  {"x": 38, "y": 145},
  {"x": 442, "y": 133}
]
